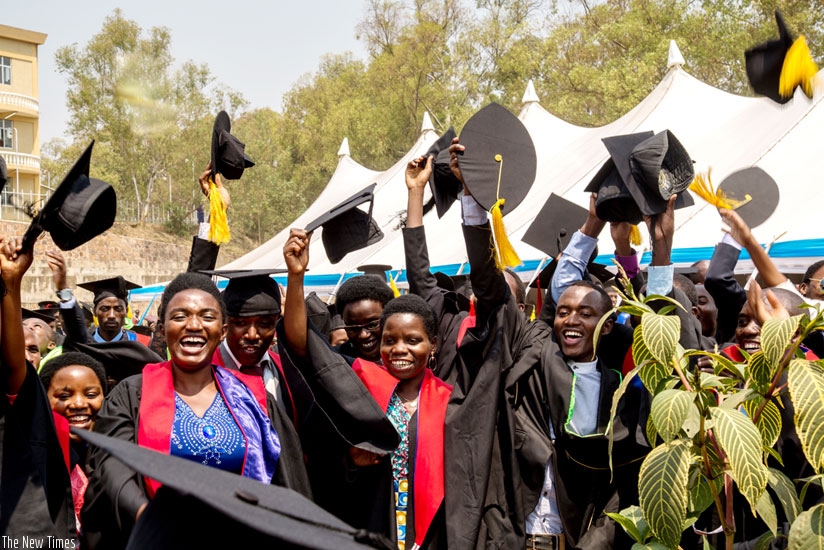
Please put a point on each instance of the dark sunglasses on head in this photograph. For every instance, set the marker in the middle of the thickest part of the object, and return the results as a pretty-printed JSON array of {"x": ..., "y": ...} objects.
[{"x": 369, "y": 327}]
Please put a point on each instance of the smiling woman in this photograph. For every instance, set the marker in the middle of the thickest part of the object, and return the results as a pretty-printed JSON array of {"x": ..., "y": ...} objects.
[{"x": 190, "y": 408}]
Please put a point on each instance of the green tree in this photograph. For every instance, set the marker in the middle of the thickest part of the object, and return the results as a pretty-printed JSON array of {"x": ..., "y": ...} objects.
[{"x": 125, "y": 93}]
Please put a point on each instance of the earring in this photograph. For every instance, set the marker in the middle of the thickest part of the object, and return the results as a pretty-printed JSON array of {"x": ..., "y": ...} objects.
[{"x": 431, "y": 360}]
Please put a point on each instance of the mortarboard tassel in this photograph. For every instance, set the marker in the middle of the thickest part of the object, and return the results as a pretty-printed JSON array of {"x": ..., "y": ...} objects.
[
  {"x": 128, "y": 323},
  {"x": 218, "y": 223},
  {"x": 539, "y": 296},
  {"x": 798, "y": 69},
  {"x": 505, "y": 255},
  {"x": 634, "y": 235},
  {"x": 393, "y": 286},
  {"x": 702, "y": 186}
]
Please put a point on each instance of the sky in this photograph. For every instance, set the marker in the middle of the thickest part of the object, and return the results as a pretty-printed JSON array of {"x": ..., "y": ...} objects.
[{"x": 257, "y": 47}]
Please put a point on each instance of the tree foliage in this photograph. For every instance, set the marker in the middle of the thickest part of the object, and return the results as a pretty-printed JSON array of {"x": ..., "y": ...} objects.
[{"x": 591, "y": 61}]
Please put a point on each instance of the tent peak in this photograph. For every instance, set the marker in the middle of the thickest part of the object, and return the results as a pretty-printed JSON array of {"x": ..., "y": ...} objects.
[
  {"x": 427, "y": 122},
  {"x": 530, "y": 96},
  {"x": 344, "y": 148},
  {"x": 674, "y": 59}
]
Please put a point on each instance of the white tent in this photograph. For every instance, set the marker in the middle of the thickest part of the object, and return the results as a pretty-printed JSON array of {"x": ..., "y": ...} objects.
[{"x": 721, "y": 130}]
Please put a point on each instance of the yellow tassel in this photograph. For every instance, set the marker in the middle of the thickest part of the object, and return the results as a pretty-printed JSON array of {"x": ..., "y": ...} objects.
[
  {"x": 395, "y": 291},
  {"x": 218, "y": 223},
  {"x": 128, "y": 323},
  {"x": 532, "y": 314},
  {"x": 799, "y": 69},
  {"x": 634, "y": 235},
  {"x": 505, "y": 255}
]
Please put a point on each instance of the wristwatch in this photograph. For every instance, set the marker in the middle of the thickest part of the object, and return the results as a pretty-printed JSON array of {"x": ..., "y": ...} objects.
[{"x": 65, "y": 295}]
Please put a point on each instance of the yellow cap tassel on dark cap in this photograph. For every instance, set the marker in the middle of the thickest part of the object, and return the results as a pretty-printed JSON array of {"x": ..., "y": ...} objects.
[
  {"x": 218, "y": 223},
  {"x": 505, "y": 255},
  {"x": 798, "y": 69},
  {"x": 702, "y": 186},
  {"x": 634, "y": 235}
]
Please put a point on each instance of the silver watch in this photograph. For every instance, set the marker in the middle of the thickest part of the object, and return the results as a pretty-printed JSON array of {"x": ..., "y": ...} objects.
[{"x": 65, "y": 295}]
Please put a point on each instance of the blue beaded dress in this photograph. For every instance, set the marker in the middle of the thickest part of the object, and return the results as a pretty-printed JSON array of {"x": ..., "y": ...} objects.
[{"x": 214, "y": 439}]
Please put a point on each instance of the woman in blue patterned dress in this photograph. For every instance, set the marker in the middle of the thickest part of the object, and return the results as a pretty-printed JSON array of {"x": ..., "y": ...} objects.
[{"x": 189, "y": 408}]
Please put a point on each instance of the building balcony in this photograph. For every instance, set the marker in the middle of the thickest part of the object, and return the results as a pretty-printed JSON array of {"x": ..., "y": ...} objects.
[
  {"x": 26, "y": 164},
  {"x": 19, "y": 103}
]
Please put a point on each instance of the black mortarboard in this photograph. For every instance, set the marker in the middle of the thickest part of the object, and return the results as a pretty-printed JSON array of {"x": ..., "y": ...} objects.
[
  {"x": 765, "y": 65},
  {"x": 233, "y": 507},
  {"x": 346, "y": 227},
  {"x": 335, "y": 318},
  {"x": 555, "y": 224},
  {"x": 31, "y": 314},
  {"x": 121, "y": 359},
  {"x": 80, "y": 209},
  {"x": 142, "y": 329},
  {"x": 444, "y": 185},
  {"x": 459, "y": 284},
  {"x": 643, "y": 172},
  {"x": 250, "y": 291},
  {"x": 117, "y": 287},
  {"x": 754, "y": 192},
  {"x": 4, "y": 173},
  {"x": 378, "y": 270},
  {"x": 228, "y": 153},
  {"x": 48, "y": 304},
  {"x": 494, "y": 133},
  {"x": 318, "y": 312},
  {"x": 203, "y": 254}
]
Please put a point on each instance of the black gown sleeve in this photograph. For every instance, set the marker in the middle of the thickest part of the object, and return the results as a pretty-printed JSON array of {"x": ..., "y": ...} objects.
[
  {"x": 445, "y": 302},
  {"x": 728, "y": 295}
]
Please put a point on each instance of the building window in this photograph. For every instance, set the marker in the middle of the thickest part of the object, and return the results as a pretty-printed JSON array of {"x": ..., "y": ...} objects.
[
  {"x": 5, "y": 70},
  {"x": 6, "y": 134}
]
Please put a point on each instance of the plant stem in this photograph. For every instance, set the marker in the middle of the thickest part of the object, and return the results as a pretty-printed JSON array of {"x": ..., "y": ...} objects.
[
  {"x": 729, "y": 523},
  {"x": 677, "y": 368}
]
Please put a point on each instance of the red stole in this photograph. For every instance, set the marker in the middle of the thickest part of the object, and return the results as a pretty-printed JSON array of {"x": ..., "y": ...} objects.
[
  {"x": 156, "y": 413},
  {"x": 468, "y": 322},
  {"x": 734, "y": 352},
  {"x": 429, "y": 449}
]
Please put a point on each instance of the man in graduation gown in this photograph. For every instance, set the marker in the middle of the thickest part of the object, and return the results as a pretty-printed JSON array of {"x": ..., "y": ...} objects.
[
  {"x": 110, "y": 309},
  {"x": 253, "y": 309}
]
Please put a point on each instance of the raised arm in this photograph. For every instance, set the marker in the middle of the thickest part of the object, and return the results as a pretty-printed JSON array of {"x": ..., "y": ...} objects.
[
  {"x": 574, "y": 259},
  {"x": 296, "y": 254},
  {"x": 740, "y": 231},
  {"x": 13, "y": 265},
  {"x": 74, "y": 322},
  {"x": 421, "y": 280}
]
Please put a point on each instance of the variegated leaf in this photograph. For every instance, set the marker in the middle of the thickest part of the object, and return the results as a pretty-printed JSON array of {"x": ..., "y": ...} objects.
[
  {"x": 652, "y": 434},
  {"x": 776, "y": 335},
  {"x": 768, "y": 422},
  {"x": 669, "y": 411},
  {"x": 613, "y": 411},
  {"x": 764, "y": 542},
  {"x": 701, "y": 492},
  {"x": 806, "y": 383},
  {"x": 766, "y": 511},
  {"x": 662, "y": 488},
  {"x": 661, "y": 333},
  {"x": 807, "y": 531},
  {"x": 741, "y": 442},
  {"x": 632, "y": 521},
  {"x": 761, "y": 372},
  {"x": 785, "y": 491}
]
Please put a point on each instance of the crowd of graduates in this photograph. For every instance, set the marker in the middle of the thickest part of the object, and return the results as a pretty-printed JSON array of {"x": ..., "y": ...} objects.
[{"x": 453, "y": 416}]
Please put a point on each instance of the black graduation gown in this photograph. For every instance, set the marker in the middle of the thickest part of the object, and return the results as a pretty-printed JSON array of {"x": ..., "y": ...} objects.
[
  {"x": 444, "y": 302},
  {"x": 116, "y": 492},
  {"x": 35, "y": 488},
  {"x": 345, "y": 415}
]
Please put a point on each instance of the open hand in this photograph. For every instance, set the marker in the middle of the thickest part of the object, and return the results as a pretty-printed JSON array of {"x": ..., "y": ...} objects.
[
  {"x": 773, "y": 309},
  {"x": 736, "y": 226},
  {"x": 57, "y": 264}
]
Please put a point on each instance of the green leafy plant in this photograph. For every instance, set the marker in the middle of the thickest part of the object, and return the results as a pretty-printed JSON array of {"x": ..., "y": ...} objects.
[{"x": 713, "y": 429}]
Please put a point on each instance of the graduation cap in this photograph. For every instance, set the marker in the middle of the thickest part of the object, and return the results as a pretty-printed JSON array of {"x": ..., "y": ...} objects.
[
  {"x": 80, "y": 209},
  {"x": 494, "y": 133},
  {"x": 644, "y": 170},
  {"x": 198, "y": 507},
  {"x": 35, "y": 314},
  {"x": 777, "y": 67},
  {"x": 250, "y": 291},
  {"x": 754, "y": 192},
  {"x": 4, "y": 172},
  {"x": 121, "y": 359},
  {"x": 555, "y": 224},
  {"x": 498, "y": 167},
  {"x": 142, "y": 329},
  {"x": 444, "y": 185},
  {"x": 459, "y": 284},
  {"x": 346, "y": 227},
  {"x": 319, "y": 312},
  {"x": 116, "y": 287},
  {"x": 378, "y": 270},
  {"x": 228, "y": 154}
]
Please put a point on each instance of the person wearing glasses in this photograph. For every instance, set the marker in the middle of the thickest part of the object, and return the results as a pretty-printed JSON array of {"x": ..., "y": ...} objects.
[{"x": 360, "y": 302}]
